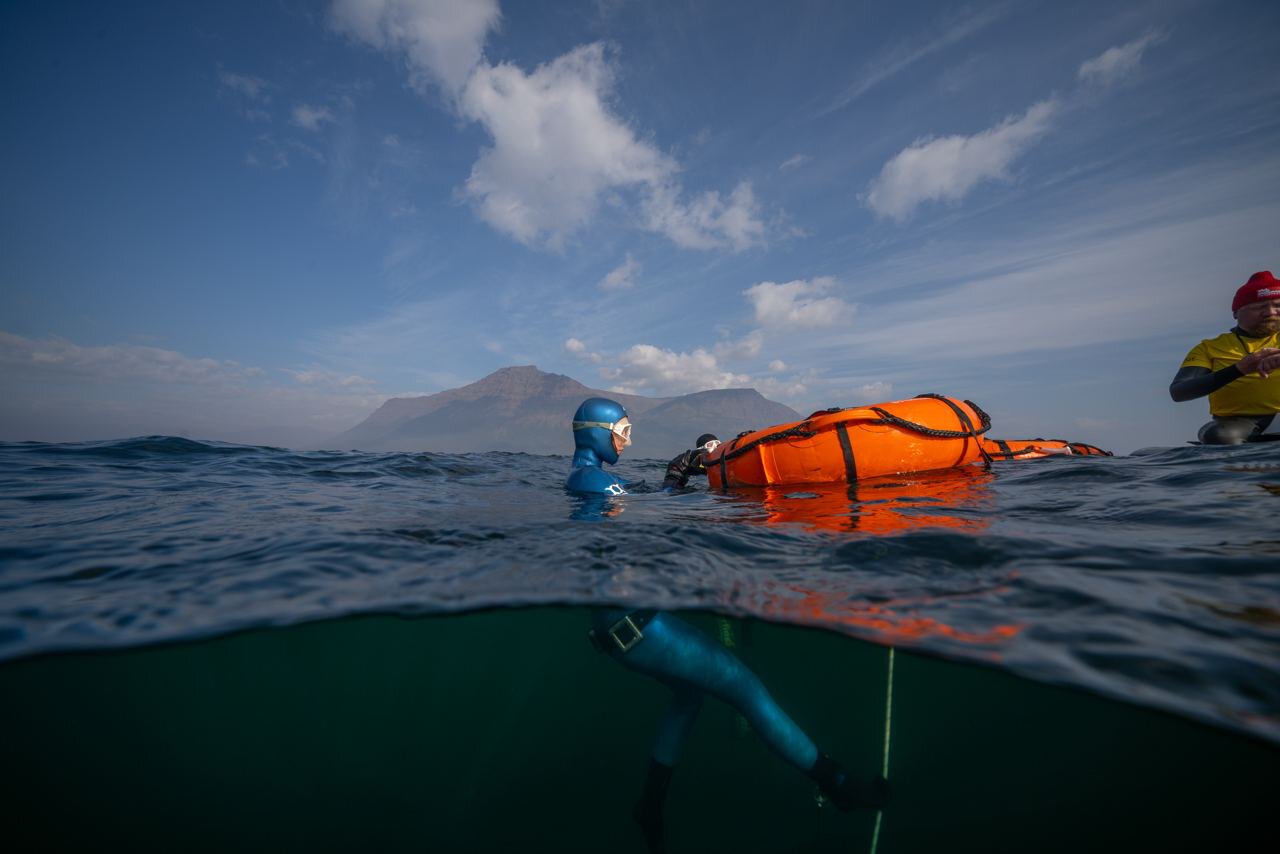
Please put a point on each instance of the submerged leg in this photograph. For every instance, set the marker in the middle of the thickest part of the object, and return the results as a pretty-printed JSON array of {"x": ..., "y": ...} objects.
[
  {"x": 1234, "y": 431},
  {"x": 680, "y": 656},
  {"x": 674, "y": 652},
  {"x": 676, "y": 723},
  {"x": 648, "y": 810},
  {"x": 673, "y": 730}
]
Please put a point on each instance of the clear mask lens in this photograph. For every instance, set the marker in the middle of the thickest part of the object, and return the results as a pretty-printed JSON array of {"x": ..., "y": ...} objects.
[
  {"x": 711, "y": 445},
  {"x": 622, "y": 430}
]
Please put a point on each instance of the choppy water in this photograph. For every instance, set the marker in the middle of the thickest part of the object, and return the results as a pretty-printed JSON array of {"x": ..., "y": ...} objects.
[{"x": 1153, "y": 579}]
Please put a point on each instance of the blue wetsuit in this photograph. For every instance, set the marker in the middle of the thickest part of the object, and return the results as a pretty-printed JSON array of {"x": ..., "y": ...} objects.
[
  {"x": 672, "y": 651},
  {"x": 678, "y": 655},
  {"x": 691, "y": 665}
]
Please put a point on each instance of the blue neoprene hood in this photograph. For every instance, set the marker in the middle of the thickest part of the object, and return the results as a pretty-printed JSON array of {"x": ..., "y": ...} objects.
[{"x": 594, "y": 445}]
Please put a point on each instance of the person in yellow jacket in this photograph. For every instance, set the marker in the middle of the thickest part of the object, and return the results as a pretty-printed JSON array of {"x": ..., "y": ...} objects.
[{"x": 1239, "y": 370}]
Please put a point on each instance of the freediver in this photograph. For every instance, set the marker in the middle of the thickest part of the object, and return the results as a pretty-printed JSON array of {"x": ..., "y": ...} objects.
[
  {"x": 1240, "y": 369},
  {"x": 687, "y": 661}
]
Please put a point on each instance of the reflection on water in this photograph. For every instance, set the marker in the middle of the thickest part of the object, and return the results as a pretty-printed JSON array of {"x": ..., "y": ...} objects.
[
  {"x": 951, "y": 498},
  {"x": 957, "y": 499}
]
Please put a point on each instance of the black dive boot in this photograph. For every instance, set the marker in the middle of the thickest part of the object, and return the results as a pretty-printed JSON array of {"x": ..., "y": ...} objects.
[
  {"x": 847, "y": 793},
  {"x": 648, "y": 810}
]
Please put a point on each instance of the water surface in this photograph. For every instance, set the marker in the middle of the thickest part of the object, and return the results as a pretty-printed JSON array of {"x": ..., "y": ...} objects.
[{"x": 1149, "y": 579}]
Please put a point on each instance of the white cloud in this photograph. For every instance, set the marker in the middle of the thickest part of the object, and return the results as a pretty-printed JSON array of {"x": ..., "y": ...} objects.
[
  {"x": 777, "y": 366},
  {"x": 949, "y": 167},
  {"x": 117, "y": 361},
  {"x": 793, "y": 162},
  {"x": 1116, "y": 63},
  {"x": 442, "y": 40},
  {"x": 624, "y": 276},
  {"x": 746, "y": 347},
  {"x": 646, "y": 368},
  {"x": 310, "y": 118},
  {"x": 579, "y": 349},
  {"x": 798, "y": 304},
  {"x": 873, "y": 392},
  {"x": 709, "y": 221},
  {"x": 330, "y": 379},
  {"x": 557, "y": 148},
  {"x": 253, "y": 88}
]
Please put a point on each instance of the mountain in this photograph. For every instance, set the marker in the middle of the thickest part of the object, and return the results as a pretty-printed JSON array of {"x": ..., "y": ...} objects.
[{"x": 525, "y": 409}]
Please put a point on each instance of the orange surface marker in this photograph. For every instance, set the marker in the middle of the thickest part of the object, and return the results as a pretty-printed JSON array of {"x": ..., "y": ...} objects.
[
  {"x": 844, "y": 445},
  {"x": 925, "y": 433}
]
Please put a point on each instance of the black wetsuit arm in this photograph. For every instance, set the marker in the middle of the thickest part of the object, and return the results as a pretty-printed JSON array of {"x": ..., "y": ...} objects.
[
  {"x": 1192, "y": 382},
  {"x": 680, "y": 469}
]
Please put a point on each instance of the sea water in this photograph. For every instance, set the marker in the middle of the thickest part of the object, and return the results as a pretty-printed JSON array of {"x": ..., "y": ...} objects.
[{"x": 213, "y": 647}]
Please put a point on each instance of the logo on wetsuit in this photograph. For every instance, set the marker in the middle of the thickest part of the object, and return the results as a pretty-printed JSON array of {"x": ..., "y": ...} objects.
[{"x": 615, "y": 489}]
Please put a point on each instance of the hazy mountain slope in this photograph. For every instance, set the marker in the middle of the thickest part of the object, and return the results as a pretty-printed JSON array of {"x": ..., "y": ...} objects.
[{"x": 525, "y": 409}]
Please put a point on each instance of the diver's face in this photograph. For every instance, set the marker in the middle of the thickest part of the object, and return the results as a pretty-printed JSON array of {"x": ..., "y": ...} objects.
[
  {"x": 618, "y": 443},
  {"x": 1260, "y": 318}
]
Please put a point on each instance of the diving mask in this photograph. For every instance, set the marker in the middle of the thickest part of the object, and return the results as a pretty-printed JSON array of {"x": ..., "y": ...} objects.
[{"x": 621, "y": 428}]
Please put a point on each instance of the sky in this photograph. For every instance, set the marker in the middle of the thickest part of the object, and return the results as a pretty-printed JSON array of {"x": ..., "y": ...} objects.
[{"x": 258, "y": 221}]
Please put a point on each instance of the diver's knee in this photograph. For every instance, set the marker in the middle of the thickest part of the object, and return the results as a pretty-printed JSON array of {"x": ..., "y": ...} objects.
[{"x": 1233, "y": 431}]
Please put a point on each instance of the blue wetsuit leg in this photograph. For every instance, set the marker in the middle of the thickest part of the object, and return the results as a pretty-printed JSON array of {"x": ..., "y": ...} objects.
[
  {"x": 676, "y": 722},
  {"x": 689, "y": 662}
]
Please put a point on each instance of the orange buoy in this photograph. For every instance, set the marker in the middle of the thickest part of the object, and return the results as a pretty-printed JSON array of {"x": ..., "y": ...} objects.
[
  {"x": 1033, "y": 449},
  {"x": 844, "y": 445}
]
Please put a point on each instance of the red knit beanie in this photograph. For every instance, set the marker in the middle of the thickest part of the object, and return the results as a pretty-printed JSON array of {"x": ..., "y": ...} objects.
[{"x": 1259, "y": 287}]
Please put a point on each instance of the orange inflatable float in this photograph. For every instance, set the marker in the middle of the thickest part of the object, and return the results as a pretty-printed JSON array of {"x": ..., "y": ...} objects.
[
  {"x": 845, "y": 445},
  {"x": 1031, "y": 449}
]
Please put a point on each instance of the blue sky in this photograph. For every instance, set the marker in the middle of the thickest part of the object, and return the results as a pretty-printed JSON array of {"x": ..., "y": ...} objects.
[{"x": 258, "y": 221}]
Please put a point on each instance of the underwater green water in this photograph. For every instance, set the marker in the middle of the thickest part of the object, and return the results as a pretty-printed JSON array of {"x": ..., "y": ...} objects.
[{"x": 504, "y": 730}]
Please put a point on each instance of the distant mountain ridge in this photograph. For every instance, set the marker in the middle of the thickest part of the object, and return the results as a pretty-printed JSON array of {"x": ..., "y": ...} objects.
[{"x": 528, "y": 410}]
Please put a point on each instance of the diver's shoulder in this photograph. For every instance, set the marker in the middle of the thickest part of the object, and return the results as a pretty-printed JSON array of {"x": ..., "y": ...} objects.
[{"x": 593, "y": 479}]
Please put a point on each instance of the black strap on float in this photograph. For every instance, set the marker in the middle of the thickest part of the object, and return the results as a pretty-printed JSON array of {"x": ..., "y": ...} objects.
[
  {"x": 846, "y": 448},
  {"x": 797, "y": 432},
  {"x": 1007, "y": 453},
  {"x": 968, "y": 433},
  {"x": 967, "y": 423}
]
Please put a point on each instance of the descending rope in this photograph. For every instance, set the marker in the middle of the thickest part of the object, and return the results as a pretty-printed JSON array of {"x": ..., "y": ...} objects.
[{"x": 884, "y": 767}]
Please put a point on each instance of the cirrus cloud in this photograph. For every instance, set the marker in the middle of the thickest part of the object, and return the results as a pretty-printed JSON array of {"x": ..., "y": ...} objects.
[
  {"x": 623, "y": 276},
  {"x": 1116, "y": 63},
  {"x": 311, "y": 118}
]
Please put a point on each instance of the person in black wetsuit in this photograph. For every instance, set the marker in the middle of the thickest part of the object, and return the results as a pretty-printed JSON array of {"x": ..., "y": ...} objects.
[
  {"x": 666, "y": 648},
  {"x": 690, "y": 463},
  {"x": 1240, "y": 369}
]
